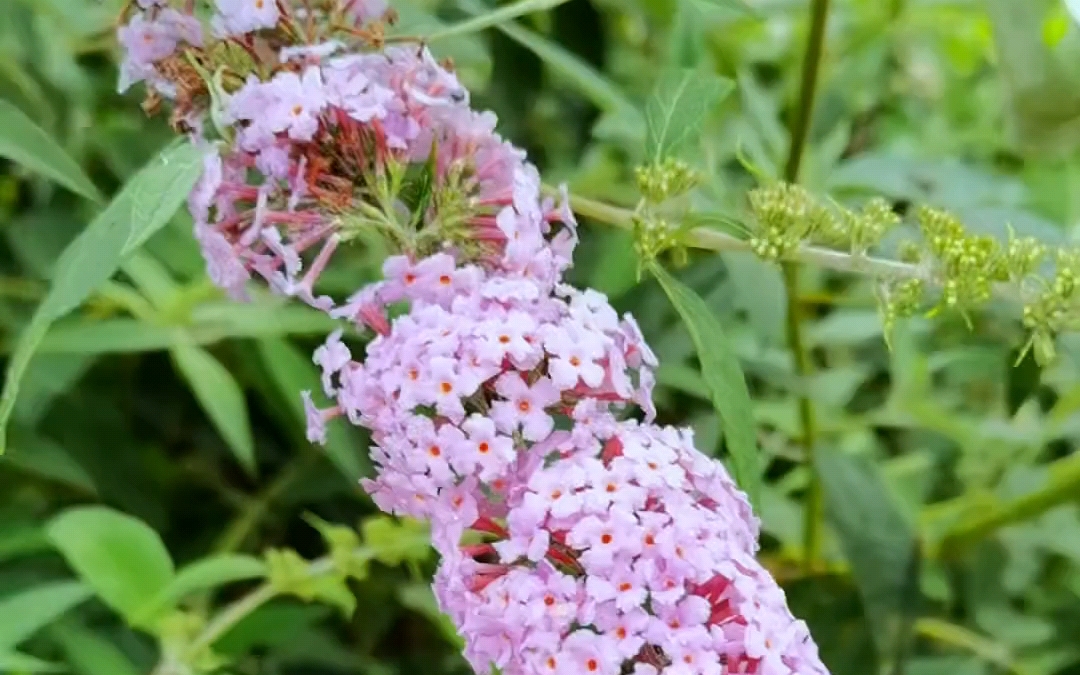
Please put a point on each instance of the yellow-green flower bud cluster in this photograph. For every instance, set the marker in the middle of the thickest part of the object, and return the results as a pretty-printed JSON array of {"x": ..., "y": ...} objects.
[
  {"x": 785, "y": 217},
  {"x": 1057, "y": 307},
  {"x": 665, "y": 180},
  {"x": 967, "y": 265},
  {"x": 654, "y": 236},
  {"x": 900, "y": 299}
]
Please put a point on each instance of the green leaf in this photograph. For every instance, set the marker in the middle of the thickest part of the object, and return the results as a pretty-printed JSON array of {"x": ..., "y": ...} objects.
[
  {"x": 26, "y": 612},
  {"x": 41, "y": 456},
  {"x": 494, "y": 18},
  {"x": 293, "y": 372},
  {"x": 1040, "y": 82},
  {"x": 119, "y": 556},
  {"x": 419, "y": 598},
  {"x": 206, "y": 574},
  {"x": 27, "y": 144},
  {"x": 678, "y": 107},
  {"x": 394, "y": 542},
  {"x": 21, "y": 539},
  {"x": 334, "y": 591},
  {"x": 90, "y": 654},
  {"x": 876, "y": 539},
  {"x": 589, "y": 82},
  {"x": 143, "y": 207},
  {"x": 14, "y": 662},
  {"x": 221, "y": 398},
  {"x": 120, "y": 335},
  {"x": 722, "y": 373}
]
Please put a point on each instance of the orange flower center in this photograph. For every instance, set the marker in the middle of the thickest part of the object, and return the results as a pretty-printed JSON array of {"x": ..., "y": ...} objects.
[
  {"x": 483, "y": 448},
  {"x": 434, "y": 451},
  {"x": 606, "y": 539},
  {"x": 524, "y": 406},
  {"x": 446, "y": 387}
]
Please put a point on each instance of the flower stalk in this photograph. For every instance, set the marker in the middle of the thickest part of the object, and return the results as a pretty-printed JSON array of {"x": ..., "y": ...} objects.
[{"x": 804, "y": 112}]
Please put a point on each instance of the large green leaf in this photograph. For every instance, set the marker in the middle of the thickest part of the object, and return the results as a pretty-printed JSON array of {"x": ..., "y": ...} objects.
[
  {"x": 722, "y": 373},
  {"x": 678, "y": 107},
  {"x": 221, "y": 398},
  {"x": 143, "y": 207},
  {"x": 28, "y": 611},
  {"x": 206, "y": 574},
  {"x": 877, "y": 540},
  {"x": 27, "y": 144},
  {"x": 91, "y": 654},
  {"x": 292, "y": 372},
  {"x": 120, "y": 557}
]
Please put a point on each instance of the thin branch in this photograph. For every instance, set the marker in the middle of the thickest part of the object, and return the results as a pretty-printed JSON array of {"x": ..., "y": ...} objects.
[{"x": 709, "y": 239}]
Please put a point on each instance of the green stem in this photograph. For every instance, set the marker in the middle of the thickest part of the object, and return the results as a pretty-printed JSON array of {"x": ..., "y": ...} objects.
[
  {"x": 233, "y": 614},
  {"x": 800, "y": 128},
  {"x": 708, "y": 239},
  {"x": 230, "y": 616},
  {"x": 800, "y": 132}
]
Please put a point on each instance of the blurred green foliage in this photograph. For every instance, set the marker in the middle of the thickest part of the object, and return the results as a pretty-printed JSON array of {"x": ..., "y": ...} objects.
[{"x": 157, "y": 471}]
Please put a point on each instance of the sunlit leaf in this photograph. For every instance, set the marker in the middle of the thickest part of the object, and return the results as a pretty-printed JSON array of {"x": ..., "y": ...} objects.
[
  {"x": 118, "y": 556},
  {"x": 724, "y": 376},
  {"x": 143, "y": 207},
  {"x": 221, "y": 398},
  {"x": 27, "y": 144}
]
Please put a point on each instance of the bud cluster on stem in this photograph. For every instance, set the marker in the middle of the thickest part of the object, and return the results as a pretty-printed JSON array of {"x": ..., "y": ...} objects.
[{"x": 574, "y": 540}]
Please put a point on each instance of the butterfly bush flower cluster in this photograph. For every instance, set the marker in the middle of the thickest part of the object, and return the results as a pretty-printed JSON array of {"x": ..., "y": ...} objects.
[{"x": 574, "y": 539}]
